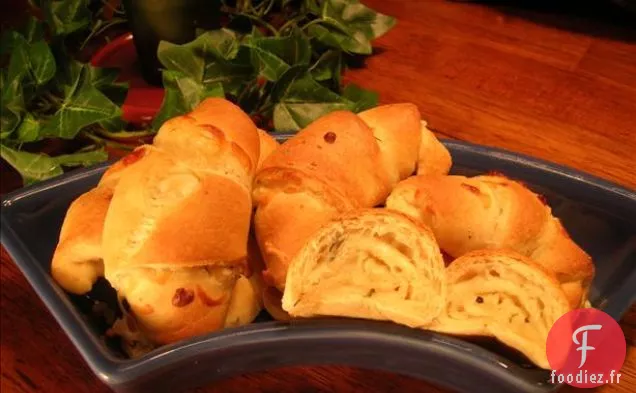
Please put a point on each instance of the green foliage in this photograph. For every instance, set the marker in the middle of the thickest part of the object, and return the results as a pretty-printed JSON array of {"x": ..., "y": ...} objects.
[
  {"x": 34, "y": 167},
  {"x": 281, "y": 61},
  {"x": 47, "y": 94},
  {"x": 285, "y": 75}
]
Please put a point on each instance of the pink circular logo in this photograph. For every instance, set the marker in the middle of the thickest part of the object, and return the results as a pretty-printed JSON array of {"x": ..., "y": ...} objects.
[{"x": 586, "y": 348}]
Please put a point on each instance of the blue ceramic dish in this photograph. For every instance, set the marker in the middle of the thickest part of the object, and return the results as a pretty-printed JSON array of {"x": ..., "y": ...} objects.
[{"x": 600, "y": 216}]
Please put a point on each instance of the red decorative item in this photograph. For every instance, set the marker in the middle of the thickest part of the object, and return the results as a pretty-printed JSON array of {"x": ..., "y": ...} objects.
[{"x": 143, "y": 100}]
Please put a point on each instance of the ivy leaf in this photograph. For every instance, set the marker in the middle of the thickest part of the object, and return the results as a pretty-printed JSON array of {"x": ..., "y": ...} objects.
[
  {"x": 105, "y": 80},
  {"x": 190, "y": 58},
  {"x": 224, "y": 44},
  {"x": 29, "y": 130},
  {"x": 182, "y": 95},
  {"x": 328, "y": 66},
  {"x": 67, "y": 16},
  {"x": 34, "y": 167},
  {"x": 18, "y": 64},
  {"x": 234, "y": 74},
  {"x": 13, "y": 86},
  {"x": 12, "y": 107},
  {"x": 268, "y": 65},
  {"x": 293, "y": 49},
  {"x": 333, "y": 36},
  {"x": 83, "y": 105},
  {"x": 292, "y": 117},
  {"x": 41, "y": 63},
  {"x": 69, "y": 75},
  {"x": 357, "y": 18},
  {"x": 102, "y": 79},
  {"x": 350, "y": 25},
  {"x": 31, "y": 65},
  {"x": 31, "y": 166},
  {"x": 272, "y": 56},
  {"x": 363, "y": 99},
  {"x": 33, "y": 30},
  {"x": 10, "y": 114},
  {"x": 300, "y": 100},
  {"x": 181, "y": 58},
  {"x": 8, "y": 41}
]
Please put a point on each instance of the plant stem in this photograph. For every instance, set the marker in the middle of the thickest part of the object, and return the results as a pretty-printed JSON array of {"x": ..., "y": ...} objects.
[
  {"x": 269, "y": 8},
  {"x": 125, "y": 134},
  {"x": 265, "y": 108},
  {"x": 291, "y": 22},
  {"x": 260, "y": 21},
  {"x": 313, "y": 22},
  {"x": 100, "y": 27},
  {"x": 245, "y": 91},
  {"x": 106, "y": 142},
  {"x": 53, "y": 100}
]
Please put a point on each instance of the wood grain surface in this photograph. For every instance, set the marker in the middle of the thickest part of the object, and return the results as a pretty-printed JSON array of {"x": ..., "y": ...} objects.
[{"x": 546, "y": 83}]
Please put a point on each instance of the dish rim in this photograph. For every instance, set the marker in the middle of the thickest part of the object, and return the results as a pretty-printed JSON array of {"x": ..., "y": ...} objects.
[{"x": 115, "y": 371}]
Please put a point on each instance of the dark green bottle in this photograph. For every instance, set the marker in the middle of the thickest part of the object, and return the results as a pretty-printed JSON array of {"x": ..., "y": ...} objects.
[{"x": 176, "y": 21}]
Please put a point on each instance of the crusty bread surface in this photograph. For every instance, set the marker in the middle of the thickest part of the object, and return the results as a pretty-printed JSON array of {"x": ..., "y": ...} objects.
[
  {"x": 168, "y": 227},
  {"x": 341, "y": 162},
  {"x": 493, "y": 211}
]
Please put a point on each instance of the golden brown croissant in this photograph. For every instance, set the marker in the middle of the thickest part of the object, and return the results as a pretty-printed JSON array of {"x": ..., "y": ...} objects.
[
  {"x": 371, "y": 264},
  {"x": 340, "y": 162},
  {"x": 169, "y": 228},
  {"x": 434, "y": 158},
  {"x": 77, "y": 260},
  {"x": 267, "y": 145},
  {"x": 502, "y": 294},
  {"x": 487, "y": 211},
  {"x": 176, "y": 232}
]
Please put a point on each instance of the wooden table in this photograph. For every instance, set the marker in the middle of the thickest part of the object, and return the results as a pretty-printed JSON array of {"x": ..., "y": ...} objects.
[{"x": 561, "y": 88}]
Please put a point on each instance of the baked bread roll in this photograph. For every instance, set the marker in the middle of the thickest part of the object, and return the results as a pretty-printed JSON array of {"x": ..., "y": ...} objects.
[
  {"x": 434, "y": 158},
  {"x": 505, "y": 295},
  {"x": 176, "y": 232},
  {"x": 77, "y": 260},
  {"x": 492, "y": 211},
  {"x": 267, "y": 145},
  {"x": 246, "y": 298},
  {"x": 168, "y": 227},
  {"x": 371, "y": 264},
  {"x": 340, "y": 162}
]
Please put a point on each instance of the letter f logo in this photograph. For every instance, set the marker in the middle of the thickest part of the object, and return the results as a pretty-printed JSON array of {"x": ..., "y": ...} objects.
[{"x": 583, "y": 345}]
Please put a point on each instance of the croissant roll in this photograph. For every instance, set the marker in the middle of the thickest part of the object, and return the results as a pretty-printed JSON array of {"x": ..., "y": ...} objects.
[
  {"x": 339, "y": 163},
  {"x": 434, "y": 158},
  {"x": 370, "y": 264},
  {"x": 492, "y": 212},
  {"x": 267, "y": 146},
  {"x": 176, "y": 232},
  {"x": 505, "y": 295},
  {"x": 77, "y": 261}
]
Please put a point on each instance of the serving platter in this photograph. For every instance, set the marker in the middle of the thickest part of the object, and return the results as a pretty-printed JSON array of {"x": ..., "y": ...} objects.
[{"x": 600, "y": 216}]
